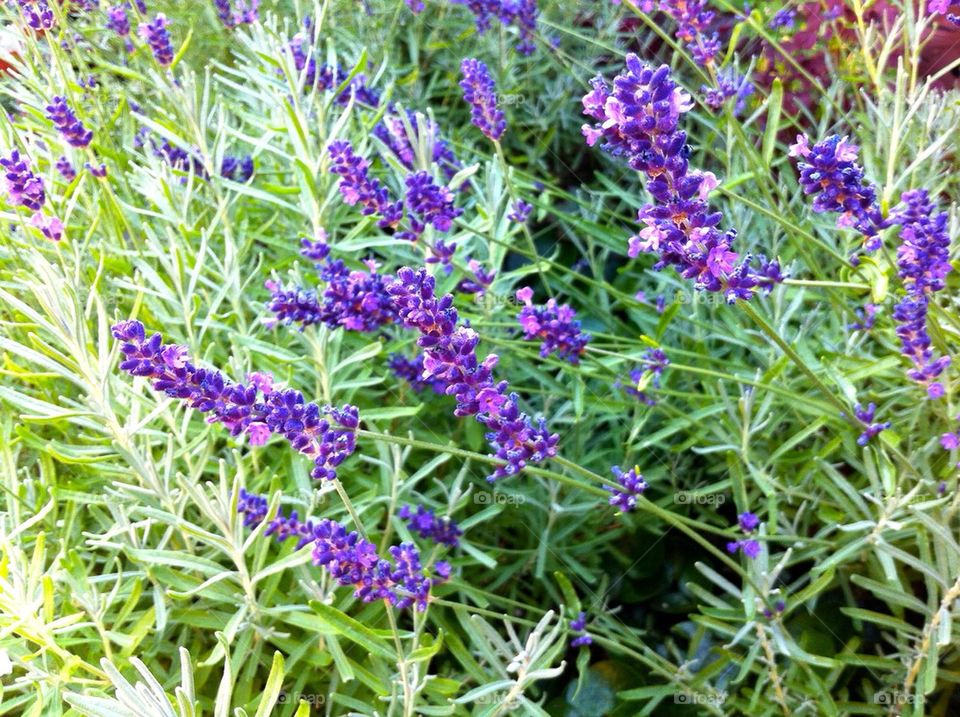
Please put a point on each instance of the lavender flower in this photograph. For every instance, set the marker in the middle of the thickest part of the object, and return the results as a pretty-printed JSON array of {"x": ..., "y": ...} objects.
[
  {"x": 481, "y": 281},
  {"x": 99, "y": 171},
  {"x": 480, "y": 92},
  {"x": 66, "y": 169},
  {"x": 520, "y": 211},
  {"x": 728, "y": 85},
  {"x": 238, "y": 13},
  {"x": 238, "y": 169},
  {"x": 450, "y": 358},
  {"x": 554, "y": 325},
  {"x": 323, "y": 77},
  {"x": 693, "y": 22},
  {"x": 519, "y": 13},
  {"x": 430, "y": 203},
  {"x": 22, "y": 187},
  {"x": 872, "y": 428},
  {"x": 351, "y": 559},
  {"x": 416, "y": 6},
  {"x": 866, "y": 317},
  {"x": 37, "y": 15},
  {"x": 579, "y": 627},
  {"x": 50, "y": 227},
  {"x": 423, "y": 522},
  {"x": 325, "y": 434},
  {"x": 923, "y": 260},
  {"x": 640, "y": 119},
  {"x": 358, "y": 187},
  {"x": 748, "y": 523},
  {"x": 829, "y": 170},
  {"x": 155, "y": 34},
  {"x": 783, "y": 19},
  {"x": 67, "y": 123},
  {"x": 632, "y": 484},
  {"x": 118, "y": 22}
]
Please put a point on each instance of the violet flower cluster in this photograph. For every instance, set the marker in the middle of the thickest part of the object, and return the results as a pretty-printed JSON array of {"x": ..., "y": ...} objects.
[
  {"x": 37, "y": 15},
  {"x": 579, "y": 627},
  {"x": 450, "y": 357},
  {"x": 326, "y": 78},
  {"x": 23, "y": 188},
  {"x": 923, "y": 261},
  {"x": 411, "y": 371},
  {"x": 748, "y": 523},
  {"x": 640, "y": 120},
  {"x": 65, "y": 168},
  {"x": 521, "y": 14},
  {"x": 520, "y": 211},
  {"x": 426, "y": 524},
  {"x": 479, "y": 281},
  {"x": 238, "y": 12},
  {"x": 871, "y": 427},
  {"x": 238, "y": 169},
  {"x": 118, "y": 22},
  {"x": 729, "y": 85},
  {"x": 479, "y": 91},
  {"x": 829, "y": 171},
  {"x": 255, "y": 408},
  {"x": 652, "y": 365},
  {"x": 67, "y": 124},
  {"x": 632, "y": 484},
  {"x": 155, "y": 34},
  {"x": 352, "y": 560},
  {"x": 694, "y": 20},
  {"x": 425, "y": 203},
  {"x": 554, "y": 325},
  {"x": 392, "y": 131}
]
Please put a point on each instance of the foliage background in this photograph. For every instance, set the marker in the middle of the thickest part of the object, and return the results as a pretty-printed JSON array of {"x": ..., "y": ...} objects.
[{"x": 123, "y": 560}]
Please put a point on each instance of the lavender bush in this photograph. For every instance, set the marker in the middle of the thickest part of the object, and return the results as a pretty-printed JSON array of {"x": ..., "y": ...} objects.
[{"x": 479, "y": 358}]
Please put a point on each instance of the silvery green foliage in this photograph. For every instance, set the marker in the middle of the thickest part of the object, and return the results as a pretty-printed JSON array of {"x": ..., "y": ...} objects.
[{"x": 129, "y": 586}]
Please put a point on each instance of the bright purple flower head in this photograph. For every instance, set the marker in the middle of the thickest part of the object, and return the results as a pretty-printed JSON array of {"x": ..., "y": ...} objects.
[
  {"x": 424, "y": 522},
  {"x": 480, "y": 92},
  {"x": 67, "y": 123},
  {"x": 554, "y": 325},
  {"x": 872, "y": 428},
  {"x": 155, "y": 34},
  {"x": 579, "y": 627},
  {"x": 37, "y": 15},
  {"x": 117, "y": 20},
  {"x": 520, "y": 211},
  {"x": 325, "y": 434},
  {"x": 633, "y": 485},
  {"x": 238, "y": 169},
  {"x": 429, "y": 203},
  {"x": 748, "y": 522},
  {"x": 393, "y": 132},
  {"x": 23, "y": 188},
  {"x": 519, "y": 13}
]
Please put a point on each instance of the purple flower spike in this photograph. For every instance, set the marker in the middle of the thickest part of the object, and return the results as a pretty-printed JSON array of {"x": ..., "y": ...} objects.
[
  {"x": 22, "y": 187},
  {"x": 748, "y": 522},
  {"x": 66, "y": 169},
  {"x": 117, "y": 20},
  {"x": 440, "y": 530},
  {"x": 579, "y": 626},
  {"x": 520, "y": 211},
  {"x": 351, "y": 559},
  {"x": 67, "y": 123},
  {"x": 358, "y": 187},
  {"x": 830, "y": 172},
  {"x": 872, "y": 428},
  {"x": 411, "y": 371},
  {"x": 238, "y": 169},
  {"x": 325, "y": 434},
  {"x": 554, "y": 325},
  {"x": 633, "y": 485},
  {"x": 37, "y": 15},
  {"x": 640, "y": 119},
  {"x": 155, "y": 34},
  {"x": 450, "y": 359},
  {"x": 519, "y": 13},
  {"x": 480, "y": 92},
  {"x": 392, "y": 131}
]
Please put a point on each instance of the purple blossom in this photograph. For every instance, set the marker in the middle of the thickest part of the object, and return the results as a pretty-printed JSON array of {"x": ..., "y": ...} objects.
[
  {"x": 326, "y": 78},
  {"x": 866, "y": 317},
  {"x": 520, "y": 211},
  {"x": 554, "y": 325},
  {"x": 429, "y": 203},
  {"x": 450, "y": 358},
  {"x": 37, "y": 15},
  {"x": 923, "y": 261},
  {"x": 67, "y": 124},
  {"x": 480, "y": 281},
  {"x": 50, "y": 227},
  {"x": 416, "y": 6},
  {"x": 872, "y": 428},
  {"x": 425, "y": 523},
  {"x": 155, "y": 34},
  {"x": 639, "y": 119},
  {"x": 355, "y": 300},
  {"x": 783, "y": 19},
  {"x": 238, "y": 169},
  {"x": 351, "y": 559},
  {"x": 632, "y": 485},
  {"x": 728, "y": 85},
  {"x": 358, "y": 187},
  {"x": 830, "y": 172},
  {"x": 22, "y": 187},
  {"x": 117, "y": 20},
  {"x": 236, "y": 13},
  {"x": 99, "y": 171},
  {"x": 950, "y": 441},
  {"x": 519, "y": 13},
  {"x": 325, "y": 434},
  {"x": 480, "y": 92},
  {"x": 579, "y": 626},
  {"x": 748, "y": 522},
  {"x": 693, "y": 21},
  {"x": 66, "y": 169}
]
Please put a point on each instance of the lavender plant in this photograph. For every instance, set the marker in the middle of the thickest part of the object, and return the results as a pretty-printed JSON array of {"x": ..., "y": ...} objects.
[{"x": 345, "y": 370}]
